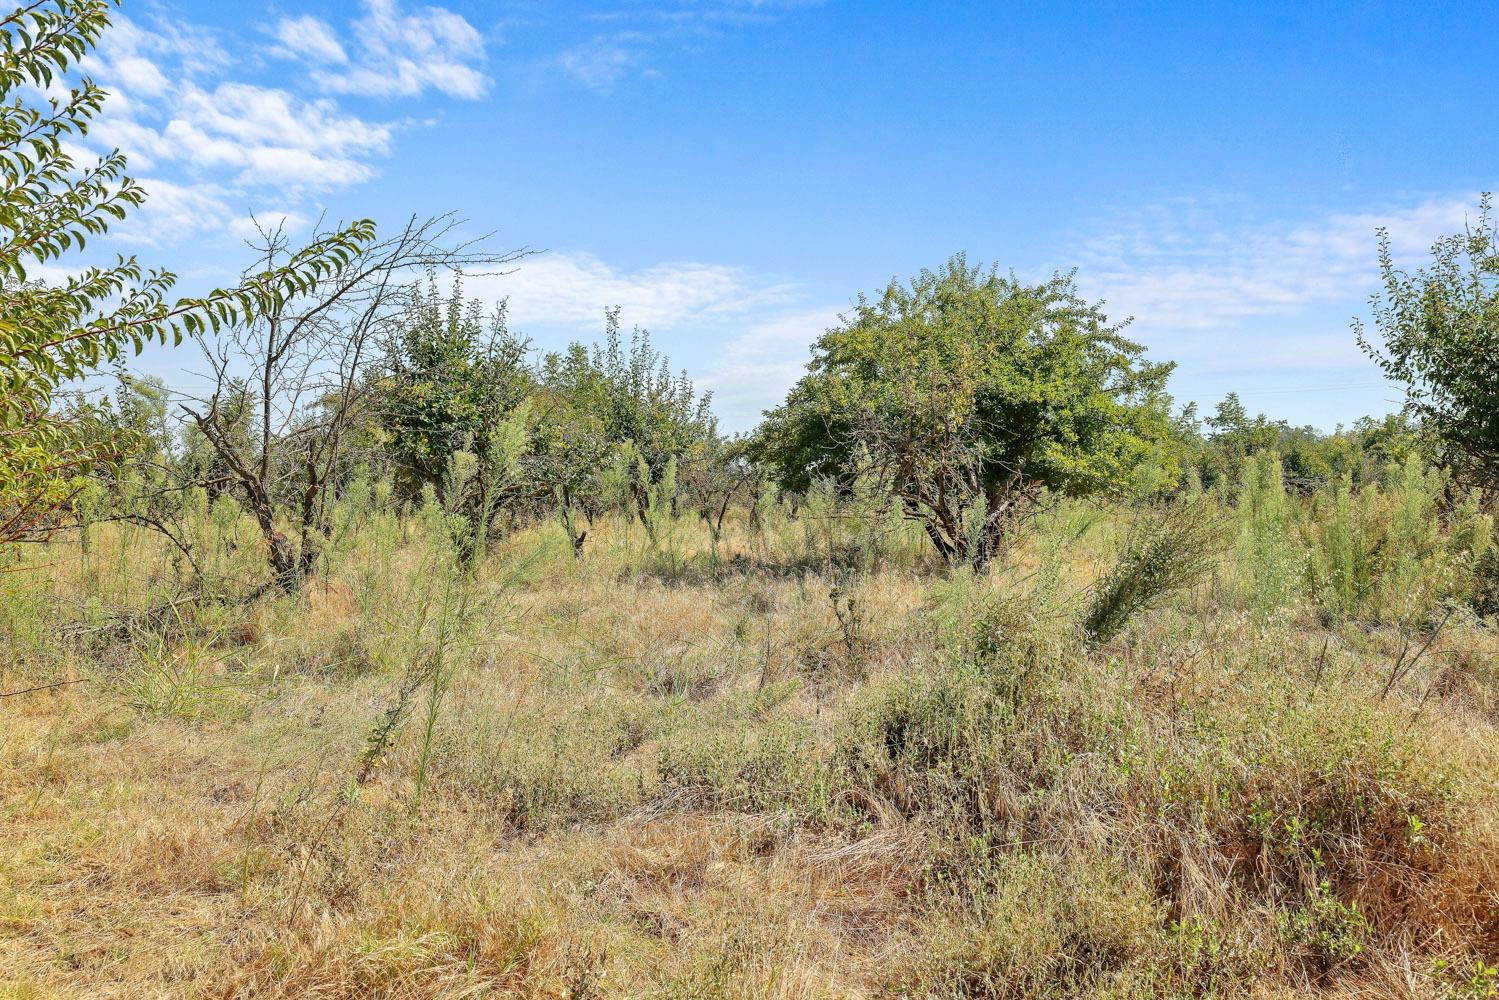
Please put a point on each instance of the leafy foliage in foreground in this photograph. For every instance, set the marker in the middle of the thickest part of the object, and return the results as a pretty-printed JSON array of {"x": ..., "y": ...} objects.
[
  {"x": 51, "y": 207},
  {"x": 1440, "y": 337}
]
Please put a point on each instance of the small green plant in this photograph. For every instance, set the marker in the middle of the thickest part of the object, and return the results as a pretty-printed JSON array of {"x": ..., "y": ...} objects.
[
  {"x": 659, "y": 514},
  {"x": 1334, "y": 931},
  {"x": 1168, "y": 549},
  {"x": 1344, "y": 562},
  {"x": 1471, "y": 981},
  {"x": 177, "y": 675}
]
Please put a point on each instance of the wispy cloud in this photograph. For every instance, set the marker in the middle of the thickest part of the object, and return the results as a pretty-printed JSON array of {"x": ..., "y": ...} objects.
[
  {"x": 1198, "y": 264},
  {"x": 309, "y": 38},
  {"x": 1259, "y": 303},
  {"x": 629, "y": 38},
  {"x": 394, "y": 53},
  {"x": 273, "y": 138},
  {"x": 748, "y": 335},
  {"x": 757, "y": 368},
  {"x": 602, "y": 62},
  {"x": 574, "y": 289}
]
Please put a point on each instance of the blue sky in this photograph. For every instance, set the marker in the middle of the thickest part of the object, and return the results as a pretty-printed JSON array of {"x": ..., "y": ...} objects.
[{"x": 733, "y": 172}]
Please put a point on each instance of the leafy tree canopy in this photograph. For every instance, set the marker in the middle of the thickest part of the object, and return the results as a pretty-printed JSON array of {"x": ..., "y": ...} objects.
[
  {"x": 968, "y": 393},
  {"x": 450, "y": 379},
  {"x": 616, "y": 400},
  {"x": 51, "y": 207},
  {"x": 1439, "y": 335}
]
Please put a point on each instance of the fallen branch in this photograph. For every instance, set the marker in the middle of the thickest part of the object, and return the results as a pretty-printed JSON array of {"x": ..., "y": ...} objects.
[{"x": 42, "y": 687}]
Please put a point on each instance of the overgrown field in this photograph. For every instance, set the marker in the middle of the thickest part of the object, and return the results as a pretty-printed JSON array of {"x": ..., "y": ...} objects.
[{"x": 801, "y": 760}]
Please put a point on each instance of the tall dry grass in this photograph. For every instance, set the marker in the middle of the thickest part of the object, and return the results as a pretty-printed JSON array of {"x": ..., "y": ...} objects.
[{"x": 801, "y": 762}]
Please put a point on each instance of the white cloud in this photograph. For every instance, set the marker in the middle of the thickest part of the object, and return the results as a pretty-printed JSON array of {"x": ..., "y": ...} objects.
[
  {"x": 273, "y": 137},
  {"x": 174, "y": 212},
  {"x": 603, "y": 62},
  {"x": 396, "y": 54},
  {"x": 574, "y": 290},
  {"x": 1257, "y": 303},
  {"x": 207, "y": 142},
  {"x": 638, "y": 32},
  {"x": 310, "y": 38},
  {"x": 1193, "y": 264},
  {"x": 757, "y": 369},
  {"x": 263, "y": 137},
  {"x": 141, "y": 75},
  {"x": 697, "y": 306},
  {"x": 255, "y": 227},
  {"x": 131, "y": 55}
]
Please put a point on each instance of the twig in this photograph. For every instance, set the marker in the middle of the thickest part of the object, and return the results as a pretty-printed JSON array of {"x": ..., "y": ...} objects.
[
  {"x": 1321, "y": 662},
  {"x": 1403, "y": 667},
  {"x": 42, "y": 687}
]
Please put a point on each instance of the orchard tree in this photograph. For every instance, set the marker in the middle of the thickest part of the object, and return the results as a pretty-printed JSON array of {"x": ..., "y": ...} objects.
[
  {"x": 305, "y": 366},
  {"x": 51, "y": 207},
  {"x": 572, "y": 452},
  {"x": 721, "y": 478},
  {"x": 450, "y": 378},
  {"x": 1439, "y": 336},
  {"x": 967, "y": 394},
  {"x": 621, "y": 405}
]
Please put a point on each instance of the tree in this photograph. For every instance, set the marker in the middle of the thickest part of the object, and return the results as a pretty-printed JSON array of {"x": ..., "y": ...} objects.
[
  {"x": 50, "y": 207},
  {"x": 721, "y": 477},
  {"x": 451, "y": 407},
  {"x": 968, "y": 394},
  {"x": 1439, "y": 333},
  {"x": 572, "y": 451},
  {"x": 449, "y": 379},
  {"x": 1233, "y": 436},
  {"x": 306, "y": 361},
  {"x": 620, "y": 407}
]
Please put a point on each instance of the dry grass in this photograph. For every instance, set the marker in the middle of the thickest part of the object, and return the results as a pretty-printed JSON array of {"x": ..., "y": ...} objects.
[{"x": 776, "y": 776}]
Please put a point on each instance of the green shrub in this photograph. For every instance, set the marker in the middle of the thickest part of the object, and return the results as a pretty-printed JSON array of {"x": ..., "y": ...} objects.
[
  {"x": 1266, "y": 557},
  {"x": 1045, "y": 924},
  {"x": 770, "y": 767},
  {"x": 1168, "y": 549},
  {"x": 1396, "y": 553},
  {"x": 1344, "y": 563},
  {"x": 924, "y": 744},
  {"x": 544, "y": 768}
]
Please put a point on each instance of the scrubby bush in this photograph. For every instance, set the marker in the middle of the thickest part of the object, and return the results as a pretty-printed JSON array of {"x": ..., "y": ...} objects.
[
  {"x": 1167, "y": 550},
  {"x": 769, "y": 767},
  {"x": 1396, "y": 553},
  {"x": 1267, "y": 560}
]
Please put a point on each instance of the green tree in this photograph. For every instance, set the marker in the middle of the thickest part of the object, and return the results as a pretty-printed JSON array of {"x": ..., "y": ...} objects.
[
  {"x": 572, "y": 450},
  {"x": 52, "y": 206},
  {"x": 1439, "y": 336},
  {"x": 615, "y": 401},
  {"x": 969, "y": 394},
  {"x": 450, "y": 380},
  {"x": 1234, "y": 435}
]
